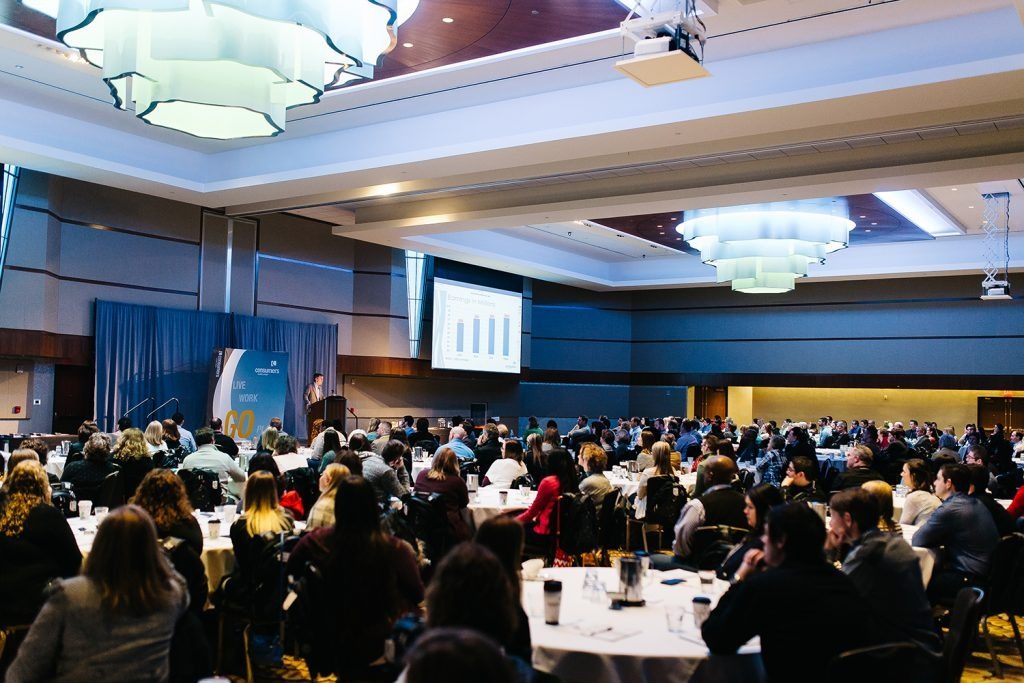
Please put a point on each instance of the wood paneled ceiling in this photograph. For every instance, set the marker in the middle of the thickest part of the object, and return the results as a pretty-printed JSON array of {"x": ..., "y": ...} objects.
[
  {"x": 480, "y": 28},
  {"x": 876, "y": 223}
]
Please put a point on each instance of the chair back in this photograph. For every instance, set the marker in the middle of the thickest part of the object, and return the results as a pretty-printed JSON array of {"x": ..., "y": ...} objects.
[
  {"x": 828, "y": 476},
  {"x": 692, "y": 451},
  {"x": 577, "y": 524},
  {"x": 305, "y": 482},
  {"x": 710, "y": 545},
  {"x": 606, "y": 527},
  {"x": 469, "y": 467},
  {"x": 963, "y": 629},
  {"x": 904, "y": 662},
  {"x": 1004, "y": 590},
  {"x": 665, "y": 500},
  {"x": 746, "y": 480},
  {"x": 525, "y": 480},
  {"x": 203, "y": 488},
  {"x": 428, "y": 516},
  {"x": 63, "y": 498},
  {"x": 111, "y": 493}
]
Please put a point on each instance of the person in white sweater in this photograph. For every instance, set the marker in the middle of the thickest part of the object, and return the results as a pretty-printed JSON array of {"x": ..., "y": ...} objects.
[
  {"x": 920, "y": 503},
  {"x": 508, "y": 468}
]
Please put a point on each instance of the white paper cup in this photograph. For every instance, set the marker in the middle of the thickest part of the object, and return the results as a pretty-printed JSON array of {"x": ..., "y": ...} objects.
[
  {"x": 84, "y": 508},
  {"x": 101, "y": 513},
  {"x": 531, "y": 568},
  {"x": 213, "y": 528}
]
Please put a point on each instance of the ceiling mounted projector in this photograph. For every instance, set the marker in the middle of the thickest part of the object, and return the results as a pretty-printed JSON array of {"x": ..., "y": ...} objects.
[{"x": 664, "y": 50}]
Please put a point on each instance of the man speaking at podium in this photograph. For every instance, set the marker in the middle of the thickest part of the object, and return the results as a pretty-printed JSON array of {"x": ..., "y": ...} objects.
[{"x": 314, "y": 390}]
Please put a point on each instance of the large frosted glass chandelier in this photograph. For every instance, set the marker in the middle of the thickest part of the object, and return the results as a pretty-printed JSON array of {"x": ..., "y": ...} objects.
[
  {"x": 763, "y": 249},
  {"x": 226, "y": 68}
]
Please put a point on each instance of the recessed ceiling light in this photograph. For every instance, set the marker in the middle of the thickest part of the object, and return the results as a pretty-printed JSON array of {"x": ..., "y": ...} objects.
[
  {"x": 874, "y": 224},
  {"x": 661, "y": 233},
  {"x": 954, "y": 189},
  {"x": 448, "y": 20},
  {"x": 534, "y": 12},
  {"x": 673, "y": 219},
  {"x": 407, "y": 45},
  {"x": 659, "y": 226},
  {"x": 971, "y": 206},
  {"x": 862, "y": 216},
  {"x": 867, "y": 231},
  {"x": 678, "y": 238}
]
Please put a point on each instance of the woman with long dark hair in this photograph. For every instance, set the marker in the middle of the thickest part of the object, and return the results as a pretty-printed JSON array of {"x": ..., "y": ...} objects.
[
  {"x": 536, "y": 458},
  {"x": 116, "y": 620},
  {"x": 538, "y": 518},
  {"x": 376, "y": 577},
  {"x": 504, "y": 537},
  {"x": 920, "y": 502},
  {"x": 758, "y": 502}
]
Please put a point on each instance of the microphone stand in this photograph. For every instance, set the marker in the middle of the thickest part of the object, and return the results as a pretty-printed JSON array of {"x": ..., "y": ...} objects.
[
  {"x": 137, "y": 406},
  {"x": 177, "y": 407}
]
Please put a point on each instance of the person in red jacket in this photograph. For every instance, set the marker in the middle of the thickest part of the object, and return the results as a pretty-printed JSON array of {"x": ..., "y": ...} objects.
[{"x": 538, "y": 520}]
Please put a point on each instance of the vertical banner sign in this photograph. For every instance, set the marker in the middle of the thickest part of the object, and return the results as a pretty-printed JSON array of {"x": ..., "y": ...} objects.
[{"x": 247, "y": 388}]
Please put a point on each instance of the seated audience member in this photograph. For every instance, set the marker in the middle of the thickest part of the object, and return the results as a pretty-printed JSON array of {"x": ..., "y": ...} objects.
[
  {"x": 536, "y": 458},
  {"x": 976, "y": 454},
  {"x": 224, "y": 443},
  {"x": 86, "y": 475},
  {"x": 746, "y": 450},
  {"x": 422, "y": 437},
  {"x": 532, "y": 427},
  {"x": 882, "y": 493},
  {"x": 552, "y": 439},
  {"x": 262, "y": 513},
  {"x": 331, "y": 447},
  {"x": 386, "y": 472},
  {"x": 794, "y": 644},
  {"x": 19, "y": 456},
  {"x": 720, "y": 505},
  {"x": 798, "y": 443},
  {"x": 1002, "y": 519},
  {"x": 42, "y": 451},
  {"x": 508, "y": 468},
  {"x": 356, "y": 552},
  {"x": 317, "y": 447},
  {"x": 465, "y": 656},
  {"x": 274, "y": 423},
  {"x": 162, "y": 495},
  {"x": 964, "y": 529},
  {"x": 595, "y": 485},
  {"x": 920, "y": 502},
  {"x": 116, "y": 620},
  {"x": 771, "y": 464},
  {"x": 188, "y": 441},
  {"x": 1016, "y": 508},
  {"x": 75, "y": 450},
  {"x": 456, "y": 442},
  {"x": 208, "y": 457},
  {"x": 176, "y": 452},
  {"x": 538, "y": 519},
  {"x": 661, "y": 453},
  {"x": 884, "y": 569},
  {"x": 859, "y": 459},
  {"x": 36, "y": 544},
  {"x": 155, "y": 445},
  {"x": 468, "y": 577},
  {"x": 443, "y": 478},
  {"x": 645, "y": 457},
  {"x": 286, "y": 454},
  {"x": 132, "y": 456},
  {"x": 123, "y": 423},
  {"x": 268, "y": 440},
  {"x": 504, "y": 537},
  {"x": 322, "y": 512},
  {"x": 385, "y": 433},
  {"x": 757, "y": 503}
]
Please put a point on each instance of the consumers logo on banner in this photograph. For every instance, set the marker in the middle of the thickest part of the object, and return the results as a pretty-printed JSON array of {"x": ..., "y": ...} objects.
[{"x": 247, "y": 388}]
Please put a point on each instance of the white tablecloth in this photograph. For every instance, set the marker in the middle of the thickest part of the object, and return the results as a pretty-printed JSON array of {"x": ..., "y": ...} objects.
[
  {"x": 421, "y": 466},
  {"x": 926, "y": 556},
  {"x": 487, "y": 504},
  {"x": 54, "y": 463},
  {"x": 639, "y": 647}
]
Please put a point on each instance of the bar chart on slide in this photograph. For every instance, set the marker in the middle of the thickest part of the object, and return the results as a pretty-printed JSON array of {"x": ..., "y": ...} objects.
[{"x": 476, "y": 328}]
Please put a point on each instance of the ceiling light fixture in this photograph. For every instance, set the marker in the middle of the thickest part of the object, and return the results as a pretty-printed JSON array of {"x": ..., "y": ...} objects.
[
  {"x": 916, "y": 207},
  {"x": 226, "y": 69},
  {"x": 764, "y": 248}
]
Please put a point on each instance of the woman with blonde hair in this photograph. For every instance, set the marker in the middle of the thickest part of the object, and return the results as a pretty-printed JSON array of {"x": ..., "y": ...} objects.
[
  {"x": 154, "y": 437},
  {"x": 117, "y": 619},
  {"x": 661, "y": 454},
  {"x": 36, "y": 544},
  {"x": 132, "y": 454},
  {"x": 322, "y": 512},
  {"x": 882, "y": 492},
  {"x": 268, "y": 442},
  {"x": 262, "y": 514},
  {"x": 443, "y": 478},
  {"x": 645, "y": 458}
]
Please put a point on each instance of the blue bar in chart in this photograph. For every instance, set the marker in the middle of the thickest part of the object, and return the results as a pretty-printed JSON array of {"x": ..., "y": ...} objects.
[
  {"x": 476, "y": 334},
  {"x": 506, "y": 325},
  {"x": 460, "y": 337},
  {"x": 490, "y": 335}
]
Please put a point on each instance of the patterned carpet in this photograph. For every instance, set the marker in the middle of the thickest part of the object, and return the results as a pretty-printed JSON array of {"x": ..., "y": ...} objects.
[{"x": 979, "y": 665}]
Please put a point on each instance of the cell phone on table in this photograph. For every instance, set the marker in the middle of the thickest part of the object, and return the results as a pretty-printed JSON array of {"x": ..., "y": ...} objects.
[{"x": 673, "y": 582}]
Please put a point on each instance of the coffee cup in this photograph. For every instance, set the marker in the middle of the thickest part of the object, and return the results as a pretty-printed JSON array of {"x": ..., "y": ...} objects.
[
  {"x": 84, "y": 508},
  {"x": 503, "y": 497},
  {"x": 552, "y": 601},
  {"x": 213, "y": 530},
  {"x": 101, "y": 513},
  {"x": 701, "y": 610}
]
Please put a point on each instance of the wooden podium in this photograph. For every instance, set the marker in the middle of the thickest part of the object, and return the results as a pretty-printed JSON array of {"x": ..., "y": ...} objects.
[{"x": 326, "y": 409}]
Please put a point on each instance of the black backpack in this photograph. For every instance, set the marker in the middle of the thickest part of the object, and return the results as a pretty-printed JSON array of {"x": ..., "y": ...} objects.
[
  {"x": 203, "y": 488},
  {"x": 577, "y": 524}
]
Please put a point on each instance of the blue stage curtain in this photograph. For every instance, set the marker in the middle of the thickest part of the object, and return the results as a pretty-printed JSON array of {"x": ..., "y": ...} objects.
[
  {"x": 311, "y": 347},
  {"x": 145, "y": 351}
]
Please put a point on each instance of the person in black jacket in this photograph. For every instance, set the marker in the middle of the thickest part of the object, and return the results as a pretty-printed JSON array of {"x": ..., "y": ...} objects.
[
  {"x": 36, "y": 544},
  {"x": 781, "y": 596},
  {"x": 858, "y": 469},
  {"x": 799, "y": 444},
  {"x": 979, "y": 481},
  {"x": 224, "y": 443},
  {"x": 488, "y": 449},
  {"x": 86, "y": 476}
]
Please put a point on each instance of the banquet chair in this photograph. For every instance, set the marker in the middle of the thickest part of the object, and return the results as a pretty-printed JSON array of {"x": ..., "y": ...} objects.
[
  {"x": 828, "y": 476},
  {"x": 711, "y": 544},
  {"x": 607, "y": 536},
  {"x": 428, "y": 517},
  {"x": 203, "y": 487},
  {"x": 665, "y": 500},
  {"x": 746, "y": 480},
  {"x": 525, "y": 480},
  {"x": 111, "y": 493},
  {"x": 1004, "y": 592},
  {"x": 905, "y": 662},
  {"x": 963, "y": 630}
]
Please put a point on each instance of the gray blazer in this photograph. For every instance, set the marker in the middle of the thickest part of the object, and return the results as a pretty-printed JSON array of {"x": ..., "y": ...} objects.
[
  {"x": 311, "y": 394},
  {"x": 72, "y": 640}
]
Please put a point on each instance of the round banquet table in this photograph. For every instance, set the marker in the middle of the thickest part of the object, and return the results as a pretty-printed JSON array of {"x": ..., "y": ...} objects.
[
  {"x": 594, "y": 644},
  {"x": 218, "y": 556},
  {"x": 54, "y": 463},
  {"x": 486, "y": 504},
  {"x": 420, "y": 466}
]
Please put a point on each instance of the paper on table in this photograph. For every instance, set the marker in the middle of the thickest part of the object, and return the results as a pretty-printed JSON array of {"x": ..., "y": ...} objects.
[{"x": 603, "y": 632}]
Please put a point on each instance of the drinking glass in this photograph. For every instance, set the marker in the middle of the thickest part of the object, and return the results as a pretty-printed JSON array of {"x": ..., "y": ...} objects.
[{"x": 675, "y": 618}]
